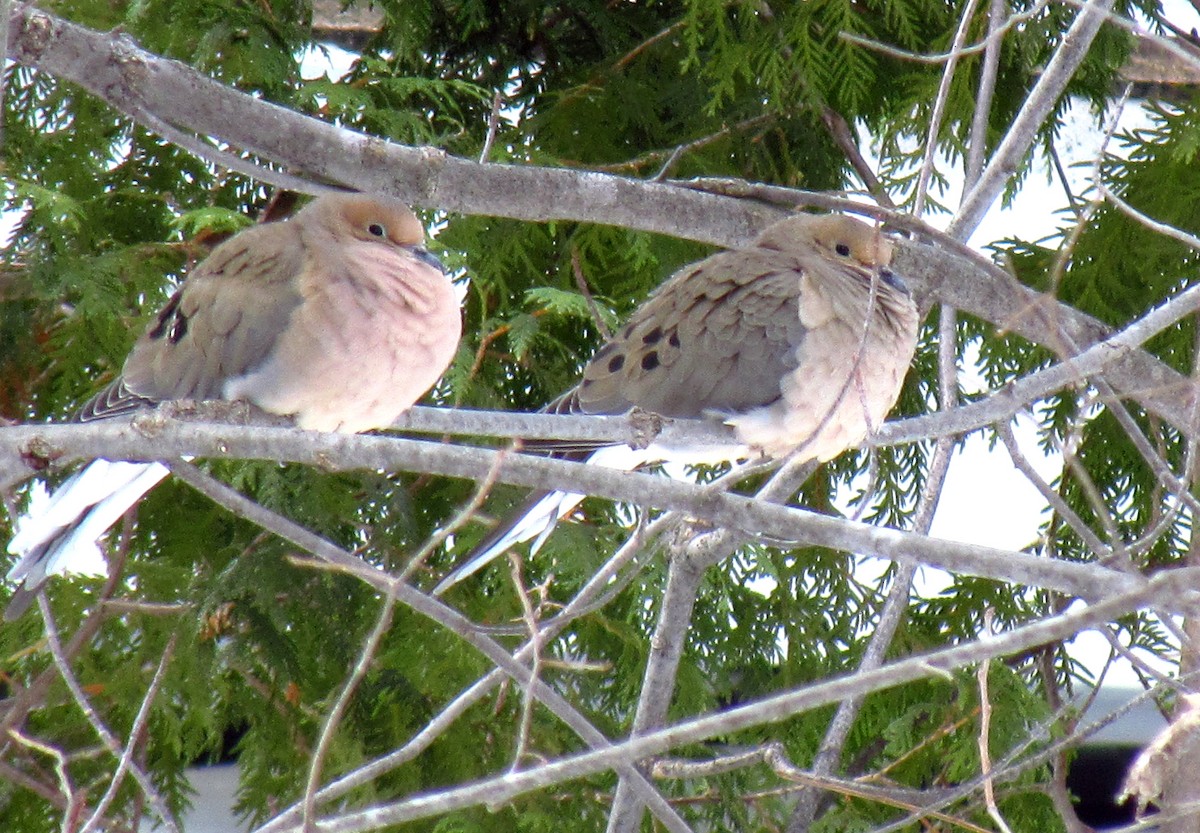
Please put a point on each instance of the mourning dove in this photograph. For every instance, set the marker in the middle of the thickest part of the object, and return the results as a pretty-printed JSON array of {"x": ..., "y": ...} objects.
[
  {"x": 800, "y": 342},
  {"x": 338, "y": 317}
]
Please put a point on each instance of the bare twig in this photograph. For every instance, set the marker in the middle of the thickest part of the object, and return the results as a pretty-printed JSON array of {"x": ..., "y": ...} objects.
[
  {"x": 985, "y": 732},
  {"x": 1038, "y": 104},
  {"x": 994, "y": 36},
  {"x": 62, "y": 663},
  {"x": 536, "y": 643},
  {"x": 492, "y": 128},
  {"x": 586, "y": 292},
  {"x": 135, "y": 733},
  {"x": 939, "y": 108},
  {"x": 365, "y": 657},
  {"x": 977, "y": 149},
  {"x": 72, "y": 806}
]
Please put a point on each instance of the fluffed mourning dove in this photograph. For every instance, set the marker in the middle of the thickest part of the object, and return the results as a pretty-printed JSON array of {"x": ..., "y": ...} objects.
[
  {"x": 338, "y": 317},
  {"x": 800, "y": 342}
]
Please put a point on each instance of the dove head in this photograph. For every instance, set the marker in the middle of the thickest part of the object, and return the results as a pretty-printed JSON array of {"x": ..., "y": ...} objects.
[
  {"x": 367, "y": 218},
  {"x": 835, "y": 236}
]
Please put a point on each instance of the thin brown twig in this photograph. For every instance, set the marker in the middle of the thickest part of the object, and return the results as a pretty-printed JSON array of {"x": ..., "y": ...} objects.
[
  {"x": 530, "y": 618},
  {"x": 977, "y": 150},
  {"x": 939, "y": 108},
  {"x": 586, "y": 291},
  {"x": 72, "y": 805},
  {"x": 492, "y": 128},
  {"x": 136, "y": 734},
  {"x": 985, "y": 731},
  {"x": 366, "y": 656},
  {"x": 482, "y": 490},
  {"x": 62, "y": 663},
  {"x": 839, "y": 131},
  {"x": 993, "y": 36}
]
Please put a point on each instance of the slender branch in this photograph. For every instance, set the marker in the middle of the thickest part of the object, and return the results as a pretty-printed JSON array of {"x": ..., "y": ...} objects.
[
  {"x": 939, "y": 108},
  {"x": 1041, "y": 99},
  {"x": 71, "y": 805},
  {"x": 985, "y": 734},
  {"x": 135, "y": 733},
  {"x": 536, "y": 643},
  {"x": 995, "y": 34},
  {"x": 977, "y": 149},
  {"x": 124, "y": 441},
  {"x": 1056, "y": 502},
  {"x": 492, "y": 128},
  {"x": 5, "y": 11},
  {"x": 684, "y": 577},
  {"x": 366, "y": 656},
  {"x": 62, "y": 663},
  {"x": 1162, "y": 588}
]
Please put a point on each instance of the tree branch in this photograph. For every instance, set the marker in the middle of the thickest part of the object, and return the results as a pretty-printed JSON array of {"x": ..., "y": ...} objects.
[
  {"x": 769, "y": 710},
  {"x": 160, "y": 439}
]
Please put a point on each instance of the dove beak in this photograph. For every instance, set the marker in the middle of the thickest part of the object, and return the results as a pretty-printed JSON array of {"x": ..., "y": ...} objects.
[
  {"x": 427, "y": 257},
  {"x": 893, "y": 280}
]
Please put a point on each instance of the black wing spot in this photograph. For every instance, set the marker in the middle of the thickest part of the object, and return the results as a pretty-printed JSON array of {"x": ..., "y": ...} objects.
[
  {"x": 673, "y": 340},
  {"x": 171, "y": 322},
  {"x": 653, "y": 337},
  {"x": 650, "y": 360},
  {"x": 616, "y": 363}
]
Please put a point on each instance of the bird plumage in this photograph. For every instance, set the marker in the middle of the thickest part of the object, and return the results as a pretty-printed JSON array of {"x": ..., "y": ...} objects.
[
  {"x": 799, "y": 341},
  {"x": 337, "y": 317}
]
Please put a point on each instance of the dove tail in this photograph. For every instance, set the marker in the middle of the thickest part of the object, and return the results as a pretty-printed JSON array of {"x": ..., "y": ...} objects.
[
  {"x": 535, "y": 520},
  {"x": 536, "y": 517},
  {"x": 59, "y": 533}
]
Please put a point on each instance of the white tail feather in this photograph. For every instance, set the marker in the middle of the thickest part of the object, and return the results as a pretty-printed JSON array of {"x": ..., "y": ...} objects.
[
  {"x": 539, "y": 521},
  {"x": 87, "y": 504}
]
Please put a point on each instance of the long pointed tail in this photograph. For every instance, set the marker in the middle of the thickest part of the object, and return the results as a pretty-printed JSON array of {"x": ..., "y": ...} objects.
[
  {"x": 59, "y": 533},
  {"x": 534, "y": 520},
  {"x": 537, "y": 516}
]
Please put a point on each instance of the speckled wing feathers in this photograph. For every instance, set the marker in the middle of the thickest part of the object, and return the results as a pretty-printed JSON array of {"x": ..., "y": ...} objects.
[
  {"x": 799, "y": 341},
  {"x": 720, "y": 334}
]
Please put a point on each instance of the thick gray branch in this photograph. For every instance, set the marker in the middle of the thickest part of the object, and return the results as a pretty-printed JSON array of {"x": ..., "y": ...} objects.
[{"x": 155, "y": 438}]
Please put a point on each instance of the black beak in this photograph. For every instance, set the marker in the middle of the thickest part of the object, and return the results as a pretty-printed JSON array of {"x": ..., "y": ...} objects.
[{"x": 427, "y": 257}]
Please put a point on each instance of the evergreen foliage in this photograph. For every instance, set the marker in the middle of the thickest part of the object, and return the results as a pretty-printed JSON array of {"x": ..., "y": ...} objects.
[{"x": 111, "y": 216}]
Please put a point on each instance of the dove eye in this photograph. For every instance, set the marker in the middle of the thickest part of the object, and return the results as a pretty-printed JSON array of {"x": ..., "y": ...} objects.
[
  {"x": 376, "y": 230},
  {"x": 842, "y": 249}
]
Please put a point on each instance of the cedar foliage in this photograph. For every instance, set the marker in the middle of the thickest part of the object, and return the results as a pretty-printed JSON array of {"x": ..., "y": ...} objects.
[{"x": 113, "y": 216}]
